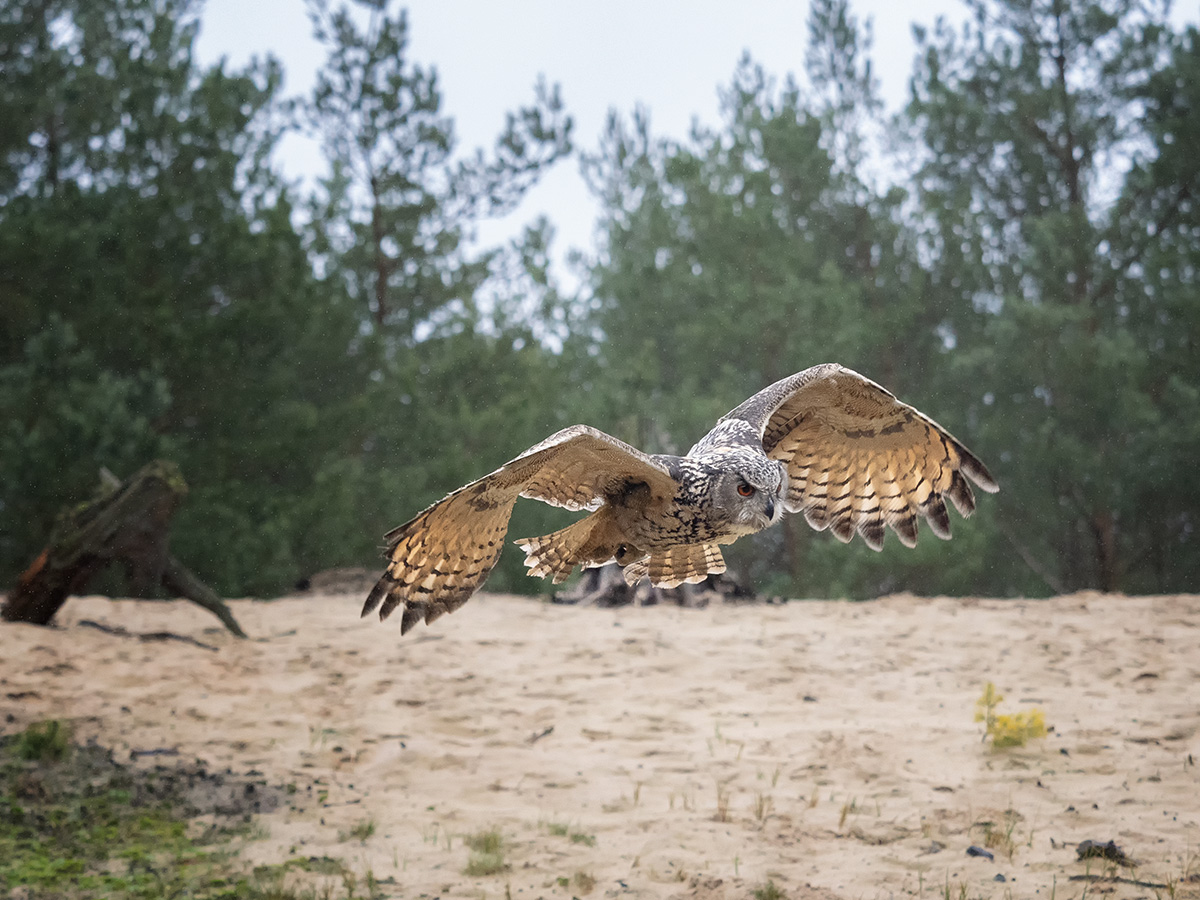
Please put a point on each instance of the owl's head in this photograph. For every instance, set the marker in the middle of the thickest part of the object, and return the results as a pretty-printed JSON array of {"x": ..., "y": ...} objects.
[{"x": 751, "y": 492}]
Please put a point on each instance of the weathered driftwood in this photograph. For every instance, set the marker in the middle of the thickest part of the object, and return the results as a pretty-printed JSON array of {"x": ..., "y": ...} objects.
[
  {"x": 128, "y": 523},
  {"x": 605, "y": 586}
]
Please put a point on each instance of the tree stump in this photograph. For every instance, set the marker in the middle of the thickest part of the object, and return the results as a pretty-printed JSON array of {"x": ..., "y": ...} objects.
[{"x": 127, "y": 522}]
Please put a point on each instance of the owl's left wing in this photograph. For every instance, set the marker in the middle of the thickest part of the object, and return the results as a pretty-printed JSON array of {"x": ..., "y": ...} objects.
[{"x": 858, "y": 459}]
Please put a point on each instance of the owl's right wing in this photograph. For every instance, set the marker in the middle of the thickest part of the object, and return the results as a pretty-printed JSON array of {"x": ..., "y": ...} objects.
[
  {"x": 859, "y": 459},
  {"x": 441, "y": 557}
]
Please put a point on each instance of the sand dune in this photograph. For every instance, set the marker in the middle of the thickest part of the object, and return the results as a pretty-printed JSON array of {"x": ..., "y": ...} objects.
[{"x": 828, "y": 747}]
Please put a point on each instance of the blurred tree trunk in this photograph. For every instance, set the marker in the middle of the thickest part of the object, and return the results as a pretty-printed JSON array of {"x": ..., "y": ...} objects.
[
  {"x": 129, "y": 522},
  {"x": 1104, "y": 528}
]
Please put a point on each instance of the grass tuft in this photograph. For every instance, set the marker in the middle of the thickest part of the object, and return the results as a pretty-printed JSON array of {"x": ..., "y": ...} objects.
[
  {"x": 769, "y": 891},
  {"x": 487, "y": 853},
  {"x": 359, "y": 832},
  {"x": 722, "y": 812},
  {"x": 559, "y": 829},
  {"x": 850, "y": 806},
  {"x": 584, "y": 882}
]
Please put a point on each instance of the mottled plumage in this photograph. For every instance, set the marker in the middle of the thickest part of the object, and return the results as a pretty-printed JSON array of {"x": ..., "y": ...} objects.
[{"x": 826, "y": 442}]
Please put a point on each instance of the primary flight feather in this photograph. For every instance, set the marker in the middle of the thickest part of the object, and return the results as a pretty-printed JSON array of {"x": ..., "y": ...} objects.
[{"x": 825, "y": 442}]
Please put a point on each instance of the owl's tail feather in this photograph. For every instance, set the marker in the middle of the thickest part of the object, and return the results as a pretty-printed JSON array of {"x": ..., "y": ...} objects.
[
  {"x": 558, "y": 553},
  {"x": 682, "y": 564}
]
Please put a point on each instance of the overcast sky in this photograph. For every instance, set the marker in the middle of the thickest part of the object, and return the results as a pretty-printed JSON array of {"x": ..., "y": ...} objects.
[{"x": 669, "y": 56}]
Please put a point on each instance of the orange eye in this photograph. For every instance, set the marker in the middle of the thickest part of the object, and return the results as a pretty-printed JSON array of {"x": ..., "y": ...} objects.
[{"x": 745, "y": 490}]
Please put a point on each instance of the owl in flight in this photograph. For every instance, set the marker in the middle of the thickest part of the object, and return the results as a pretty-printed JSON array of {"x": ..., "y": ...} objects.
[{"x": 826, "y": 442}]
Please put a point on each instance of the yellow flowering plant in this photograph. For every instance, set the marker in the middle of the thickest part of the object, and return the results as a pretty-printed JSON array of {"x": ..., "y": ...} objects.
[{"x": 1007, "y": 730}]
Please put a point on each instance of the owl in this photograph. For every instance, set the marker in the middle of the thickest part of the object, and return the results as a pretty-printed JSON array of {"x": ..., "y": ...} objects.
[{"x": 825, "y": 442}]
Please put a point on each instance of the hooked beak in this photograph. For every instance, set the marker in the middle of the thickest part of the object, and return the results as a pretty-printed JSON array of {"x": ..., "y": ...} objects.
[{"x": 770, "y": 509}]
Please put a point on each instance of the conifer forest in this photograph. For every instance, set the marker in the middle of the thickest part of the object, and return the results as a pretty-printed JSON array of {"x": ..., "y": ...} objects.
[{"x": 324, "y": 360}]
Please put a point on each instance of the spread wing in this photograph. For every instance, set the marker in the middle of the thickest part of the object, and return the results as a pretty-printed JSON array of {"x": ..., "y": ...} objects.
[
  {"x": 858, "y": 459},
  {"x": 439, "y": 559}
]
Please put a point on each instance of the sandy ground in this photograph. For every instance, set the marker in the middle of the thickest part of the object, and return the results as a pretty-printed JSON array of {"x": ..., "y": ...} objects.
[{"x": 828, "y": 747}]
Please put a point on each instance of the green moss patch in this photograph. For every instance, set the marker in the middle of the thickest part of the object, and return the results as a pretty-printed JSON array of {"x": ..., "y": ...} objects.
[{"x": 76, "y": 823}]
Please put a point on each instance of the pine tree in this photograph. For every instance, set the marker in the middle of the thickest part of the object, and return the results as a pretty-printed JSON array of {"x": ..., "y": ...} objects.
[{"x": 1043, "y": 189}]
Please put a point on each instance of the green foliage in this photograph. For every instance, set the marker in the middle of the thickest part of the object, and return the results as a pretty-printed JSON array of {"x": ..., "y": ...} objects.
[
  {"x": 747, "y": 253},
  {"x": 1061, "y": 233},
  {"x": 47, "y": 741},
  {"x": 1035, "y": 289},
  {"x": 390, "y": 219},
  {"x": 451, "y": 390},
  {"x": 1007, "y": 730},
  {"x": 1035, "y": 294},
  {"x": 159, "y": 301},
  {"x": 62, "y": 417}
]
